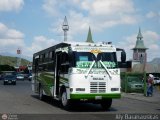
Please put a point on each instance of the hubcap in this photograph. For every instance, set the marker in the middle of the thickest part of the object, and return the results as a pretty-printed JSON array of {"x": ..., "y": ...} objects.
[
  {"x": 64, "y": 99},
  {"x": 40, "y": 94}
]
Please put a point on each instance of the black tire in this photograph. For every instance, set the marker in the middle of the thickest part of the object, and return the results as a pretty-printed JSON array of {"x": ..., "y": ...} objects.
[
  {"x": 41, "y": 96},
  {"x": 106, "y": 104},
  {"x": 14, "y": 83},
  {"x": 4, "y": 83},
  {"x": 65, "y": 103}
]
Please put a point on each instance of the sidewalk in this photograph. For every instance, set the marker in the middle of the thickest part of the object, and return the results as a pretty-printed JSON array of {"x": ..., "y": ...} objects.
[{"x": 139, "y": 96}]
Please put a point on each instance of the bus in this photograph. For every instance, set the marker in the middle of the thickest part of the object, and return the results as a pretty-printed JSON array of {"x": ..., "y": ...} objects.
[{"x": 83, "y": 72}]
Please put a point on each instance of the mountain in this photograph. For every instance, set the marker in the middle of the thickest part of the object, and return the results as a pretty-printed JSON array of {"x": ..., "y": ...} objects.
[
  {"x": 9, "y": 60},
  {"x": 155, "y": 61},
  {"x": 13, "y": 55}
]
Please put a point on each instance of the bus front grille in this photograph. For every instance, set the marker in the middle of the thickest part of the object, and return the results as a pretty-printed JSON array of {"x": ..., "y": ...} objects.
[{"x": 97, "y": 87}]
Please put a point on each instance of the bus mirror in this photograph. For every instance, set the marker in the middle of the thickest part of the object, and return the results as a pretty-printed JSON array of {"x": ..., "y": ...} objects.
[{"x": 123, "y": 56}]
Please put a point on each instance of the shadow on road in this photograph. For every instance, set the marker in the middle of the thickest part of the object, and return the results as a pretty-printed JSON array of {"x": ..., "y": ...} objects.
[
  {"x": 76, "y": 107},
  {"x": 48, "y": 100}
]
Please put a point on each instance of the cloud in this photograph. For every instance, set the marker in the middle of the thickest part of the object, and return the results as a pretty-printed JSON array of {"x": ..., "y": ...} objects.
[
  {"x": 152, "y": 14},
  {"x": 10, "y": 39},
  {"x": 50, "y": 7},
  {"x": 99, "y": 14},
  {"x": 108, "y": 7},
  {"x": 151, "y": 40},
  {"x": 10, "y": 5},
  {"x": 39, "y": 43}
]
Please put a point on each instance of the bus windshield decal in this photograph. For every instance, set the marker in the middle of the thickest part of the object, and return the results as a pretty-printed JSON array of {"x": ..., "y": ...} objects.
[
  {"x": 87, "y": 64},
  {"x": 85, "y": 59}
]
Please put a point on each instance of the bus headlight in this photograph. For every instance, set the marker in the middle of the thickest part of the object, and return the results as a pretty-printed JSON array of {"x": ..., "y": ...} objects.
[{"x": 71, "y": 89}]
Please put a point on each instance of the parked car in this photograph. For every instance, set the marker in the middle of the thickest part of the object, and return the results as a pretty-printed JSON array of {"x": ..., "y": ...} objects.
[
  {"x": 134, "y": 84},
  {"x": 20, "y": 77},
  {"x": 30, "y": 76},
  {"x": 156, "y": 80},
  {"x": 9, "y": 79}
]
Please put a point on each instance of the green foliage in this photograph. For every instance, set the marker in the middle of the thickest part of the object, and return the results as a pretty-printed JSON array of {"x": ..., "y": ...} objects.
[
  {"x": 26, "y": 71},
  {"x": 7, "y": 68},
  {"x": 7, "y": 60}
]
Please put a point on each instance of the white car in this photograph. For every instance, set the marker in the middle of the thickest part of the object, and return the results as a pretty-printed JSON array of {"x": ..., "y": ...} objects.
[
  {"x": 156, "y": 80},
  {"x": 30, "y": 77},
  {"x": 20, "y": 77}
]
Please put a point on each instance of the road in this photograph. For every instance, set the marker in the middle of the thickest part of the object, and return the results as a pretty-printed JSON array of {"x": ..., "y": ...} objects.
[{"x": 19, "y": 99}]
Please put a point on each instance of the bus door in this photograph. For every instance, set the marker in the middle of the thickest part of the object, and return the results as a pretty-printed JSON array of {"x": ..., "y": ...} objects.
[
  {"x": 35, "y": 76},
  {"x": 57, "y": 73}
]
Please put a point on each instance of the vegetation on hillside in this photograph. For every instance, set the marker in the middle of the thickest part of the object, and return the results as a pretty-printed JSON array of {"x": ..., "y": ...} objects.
[
  {"x": 7, "y": 60},
  {"x": 6, "y": 68}
]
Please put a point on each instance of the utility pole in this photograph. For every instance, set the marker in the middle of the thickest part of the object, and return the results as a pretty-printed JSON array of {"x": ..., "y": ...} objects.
[{"x": 18, "y": 57}]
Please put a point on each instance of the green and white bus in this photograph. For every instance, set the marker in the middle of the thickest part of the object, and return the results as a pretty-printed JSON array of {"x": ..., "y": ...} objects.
[{"x": 70, "y": 72}]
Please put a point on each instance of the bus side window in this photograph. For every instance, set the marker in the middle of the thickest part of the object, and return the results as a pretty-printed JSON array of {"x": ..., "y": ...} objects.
[
  {"x": 41, "y": 58},
  {"x": 64, "y": 63},
  {"x": 36, "y": 60}
]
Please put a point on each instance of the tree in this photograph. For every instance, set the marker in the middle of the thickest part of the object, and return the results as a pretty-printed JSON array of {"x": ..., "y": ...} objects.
[
  {"x": 7, "y": 68},
  {"x": 26, "y": 71}
]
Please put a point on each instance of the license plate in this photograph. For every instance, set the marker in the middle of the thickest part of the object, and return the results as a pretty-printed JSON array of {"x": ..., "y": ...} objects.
[
  {"x": 98, "y": 97},
  {"x": 9, "y": 81}
]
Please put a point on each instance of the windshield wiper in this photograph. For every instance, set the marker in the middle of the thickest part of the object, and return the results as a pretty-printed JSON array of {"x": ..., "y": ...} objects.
[
  {"x": 90, "y": 69},
  {"x": 102, "y": 65},
  {"x": 106, "y": 69}
]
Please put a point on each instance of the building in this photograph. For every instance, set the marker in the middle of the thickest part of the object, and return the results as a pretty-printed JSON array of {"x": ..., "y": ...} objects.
[
  {"x": 139, "y": 51},
  {"x": 89, "y": 37},
  {"x": 139, "y": 62}
]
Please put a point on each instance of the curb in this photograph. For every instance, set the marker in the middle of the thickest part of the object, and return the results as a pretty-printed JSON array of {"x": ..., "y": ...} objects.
[{"x": 141, "y": 97}]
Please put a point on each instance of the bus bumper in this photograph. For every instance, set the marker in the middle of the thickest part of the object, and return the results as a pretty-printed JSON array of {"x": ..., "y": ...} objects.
[{"x": 95, "y": 96}]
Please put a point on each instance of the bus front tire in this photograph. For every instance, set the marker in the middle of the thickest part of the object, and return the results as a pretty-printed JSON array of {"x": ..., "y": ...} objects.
[
  {"x": 66, "y": 103},
  {"x": 106, "y": 104}
]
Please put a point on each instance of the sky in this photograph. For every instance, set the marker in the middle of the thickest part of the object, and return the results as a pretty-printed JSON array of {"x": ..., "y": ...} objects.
[{"x": 33, "y": 25}]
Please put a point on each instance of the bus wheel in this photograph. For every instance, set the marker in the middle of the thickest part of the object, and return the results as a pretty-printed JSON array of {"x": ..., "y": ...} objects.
[
  {"x": 106, "y": 104},
  {"x": 41, "y": 96},
  {"x": 64, "y": 101}
]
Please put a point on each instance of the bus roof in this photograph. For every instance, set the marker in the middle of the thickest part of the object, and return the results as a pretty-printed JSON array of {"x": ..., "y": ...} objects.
[
  {"x": 89, "y": 44},
  {"x": 52, "y": 48},
  {"x": 73, "y": 44}
]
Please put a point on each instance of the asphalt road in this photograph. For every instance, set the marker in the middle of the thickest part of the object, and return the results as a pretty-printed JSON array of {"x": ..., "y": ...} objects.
[{"x": 19, "y": 99}]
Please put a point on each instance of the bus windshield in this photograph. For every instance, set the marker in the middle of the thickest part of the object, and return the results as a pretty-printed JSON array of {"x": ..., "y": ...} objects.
[{"x": 85, "y": 59}]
